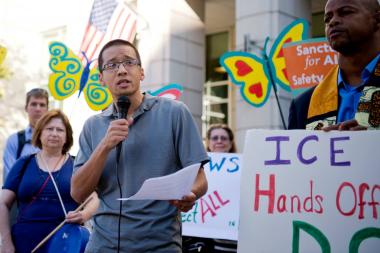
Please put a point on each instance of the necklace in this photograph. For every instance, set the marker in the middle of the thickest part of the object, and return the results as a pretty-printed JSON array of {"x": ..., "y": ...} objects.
[
  {"x": 45, "y": 164},
  {"x": 52, "y": 178}
]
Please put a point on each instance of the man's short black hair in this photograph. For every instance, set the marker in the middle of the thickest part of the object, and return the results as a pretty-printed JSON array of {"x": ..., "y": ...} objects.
[{"x": 114, "y": 43}]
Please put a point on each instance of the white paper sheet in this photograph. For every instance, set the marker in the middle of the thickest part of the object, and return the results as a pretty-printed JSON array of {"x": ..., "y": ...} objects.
[{"x": 173, "y": 186}]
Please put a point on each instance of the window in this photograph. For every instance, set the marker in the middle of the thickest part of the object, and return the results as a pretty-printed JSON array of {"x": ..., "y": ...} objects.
[
  {"x": 318, "y": 27},
  {"x": 217, "y": 91}
]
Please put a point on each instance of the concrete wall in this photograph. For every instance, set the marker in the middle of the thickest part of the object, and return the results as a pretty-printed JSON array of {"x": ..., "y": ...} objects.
[{"x": 172, "y": 49}]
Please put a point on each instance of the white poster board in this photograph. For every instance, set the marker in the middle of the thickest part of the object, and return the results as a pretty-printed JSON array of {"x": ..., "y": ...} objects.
[
  {"x": 216, "y": 214},
  {"x": 302, "y": 191}
]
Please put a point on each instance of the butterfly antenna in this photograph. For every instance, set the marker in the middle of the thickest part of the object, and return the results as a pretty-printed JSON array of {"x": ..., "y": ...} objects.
[
  {"x": 85, "y": 56},
  {"x": 85, "y": 74}
]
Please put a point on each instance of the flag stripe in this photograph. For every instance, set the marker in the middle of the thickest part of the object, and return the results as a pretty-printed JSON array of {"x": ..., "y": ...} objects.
[
  {"x": 85, "y": 38},
  {"x": 114, "y": 25},
  {"x": 127, "y": 30},
  {"x": 95, "y": 45},
  {"x": 132, "y": 34},
  {"x": 85, "y": 42},
  {"x": 108, "y": 20},
  {"x": 90, "y": 37},
  {"x": 122, "y": 27}
]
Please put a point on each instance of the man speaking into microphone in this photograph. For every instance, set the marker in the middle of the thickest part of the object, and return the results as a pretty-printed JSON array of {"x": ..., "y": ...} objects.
[{"x": 154, "y": 137}]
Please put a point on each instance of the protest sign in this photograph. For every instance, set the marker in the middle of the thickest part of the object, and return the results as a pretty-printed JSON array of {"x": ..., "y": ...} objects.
[
  {"x": 310, "y": 191},
  {"x": 308, "y": 62},
  {"x": 216, "y": 214}
]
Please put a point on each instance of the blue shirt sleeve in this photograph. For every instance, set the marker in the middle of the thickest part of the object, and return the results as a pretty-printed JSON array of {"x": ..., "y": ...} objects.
[
  {"x": 188, "y": 140},
  {"x": 14, "y": 177},
  {"x": 9, "y": 156}
]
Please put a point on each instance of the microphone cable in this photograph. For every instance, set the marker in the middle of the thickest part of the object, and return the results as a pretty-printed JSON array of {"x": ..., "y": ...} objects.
[
  {"x": 123, "y": 105},
  {"x": 120, "y": 203}
]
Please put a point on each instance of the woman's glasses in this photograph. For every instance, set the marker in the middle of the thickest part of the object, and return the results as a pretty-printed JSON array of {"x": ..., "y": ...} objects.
[{"x": 219, "y": 137}]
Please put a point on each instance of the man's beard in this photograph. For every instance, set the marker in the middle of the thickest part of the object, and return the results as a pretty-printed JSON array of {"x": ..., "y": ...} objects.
[{"x": 344, "y": 47}]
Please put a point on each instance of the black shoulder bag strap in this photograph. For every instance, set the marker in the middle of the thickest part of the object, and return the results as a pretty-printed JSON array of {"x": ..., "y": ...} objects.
[{"x": 21, "y": 142}]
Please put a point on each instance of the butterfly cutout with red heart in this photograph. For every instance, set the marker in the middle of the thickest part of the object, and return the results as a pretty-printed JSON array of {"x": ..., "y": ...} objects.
[{"x": 253, "y": 73}]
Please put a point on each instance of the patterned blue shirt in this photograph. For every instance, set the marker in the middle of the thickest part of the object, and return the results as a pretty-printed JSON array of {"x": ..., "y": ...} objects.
[
  {"x": 350, "y": 95},
  {"x": 10, "y": 151}
]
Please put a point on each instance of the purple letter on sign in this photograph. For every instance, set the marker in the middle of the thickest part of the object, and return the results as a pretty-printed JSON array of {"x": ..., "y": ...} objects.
[
  {"x": 300, "y": 147},
  {"x": 277, "y": 161},
  {"x": 338, "y": 151}
]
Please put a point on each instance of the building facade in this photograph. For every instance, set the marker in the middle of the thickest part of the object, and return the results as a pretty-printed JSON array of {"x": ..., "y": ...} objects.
[
  {"x": 190, "y": 36},
  {"x": 180, "y": 42}
]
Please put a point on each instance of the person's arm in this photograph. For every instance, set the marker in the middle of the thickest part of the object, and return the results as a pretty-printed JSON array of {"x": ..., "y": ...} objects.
[
  {"x": 9, "y": 156},
  {"x": 86, "y": 178},
  {"x": 6, "y": 201},
  {"x": 87, "y": 212},
  {"x": 199, "y": 189},
  {"x": 200, "y": 185}
]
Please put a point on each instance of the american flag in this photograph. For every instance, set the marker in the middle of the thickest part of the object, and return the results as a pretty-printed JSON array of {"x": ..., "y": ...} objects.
[{"x": 109, "y": 20}]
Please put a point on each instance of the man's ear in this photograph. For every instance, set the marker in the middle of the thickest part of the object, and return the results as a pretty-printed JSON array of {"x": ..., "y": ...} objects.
[
  {"x": 142, "y": 76},
  {"x": 101, "y": 79},
  {"x": 377, "y": 18}
]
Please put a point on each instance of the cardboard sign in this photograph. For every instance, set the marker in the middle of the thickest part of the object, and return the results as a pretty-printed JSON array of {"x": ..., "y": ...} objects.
[
  {"x": 310, "y": 191},
  {"x": 308, "y": 62},
  {"x": 216, "y": 214}
]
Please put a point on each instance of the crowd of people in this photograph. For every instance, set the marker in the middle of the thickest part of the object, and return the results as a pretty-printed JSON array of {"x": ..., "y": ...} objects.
[{"x": 44, "y": 185}]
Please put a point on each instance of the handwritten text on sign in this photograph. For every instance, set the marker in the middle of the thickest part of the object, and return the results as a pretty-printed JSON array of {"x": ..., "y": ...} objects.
[
  {"x": 310, "y": 191},
  {"x": 216, "y": 214}
]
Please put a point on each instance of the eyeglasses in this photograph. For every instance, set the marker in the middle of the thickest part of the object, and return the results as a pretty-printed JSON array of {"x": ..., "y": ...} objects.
[
  {"x": 114, "y": 66},
  {"x": 221, "y": 137}
]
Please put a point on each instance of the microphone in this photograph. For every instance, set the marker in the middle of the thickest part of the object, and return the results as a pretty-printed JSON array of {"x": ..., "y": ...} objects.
[{"x": 123, "y": 105}]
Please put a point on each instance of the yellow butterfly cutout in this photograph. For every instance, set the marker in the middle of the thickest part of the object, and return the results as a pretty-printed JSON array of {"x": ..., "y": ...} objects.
[
  {"x": 253, "y": 73},
  {"x": 69, "y": 76}
]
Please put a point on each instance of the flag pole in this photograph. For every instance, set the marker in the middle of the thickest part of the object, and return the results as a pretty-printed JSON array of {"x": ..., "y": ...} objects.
[{"x": 60, "y": 225}]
